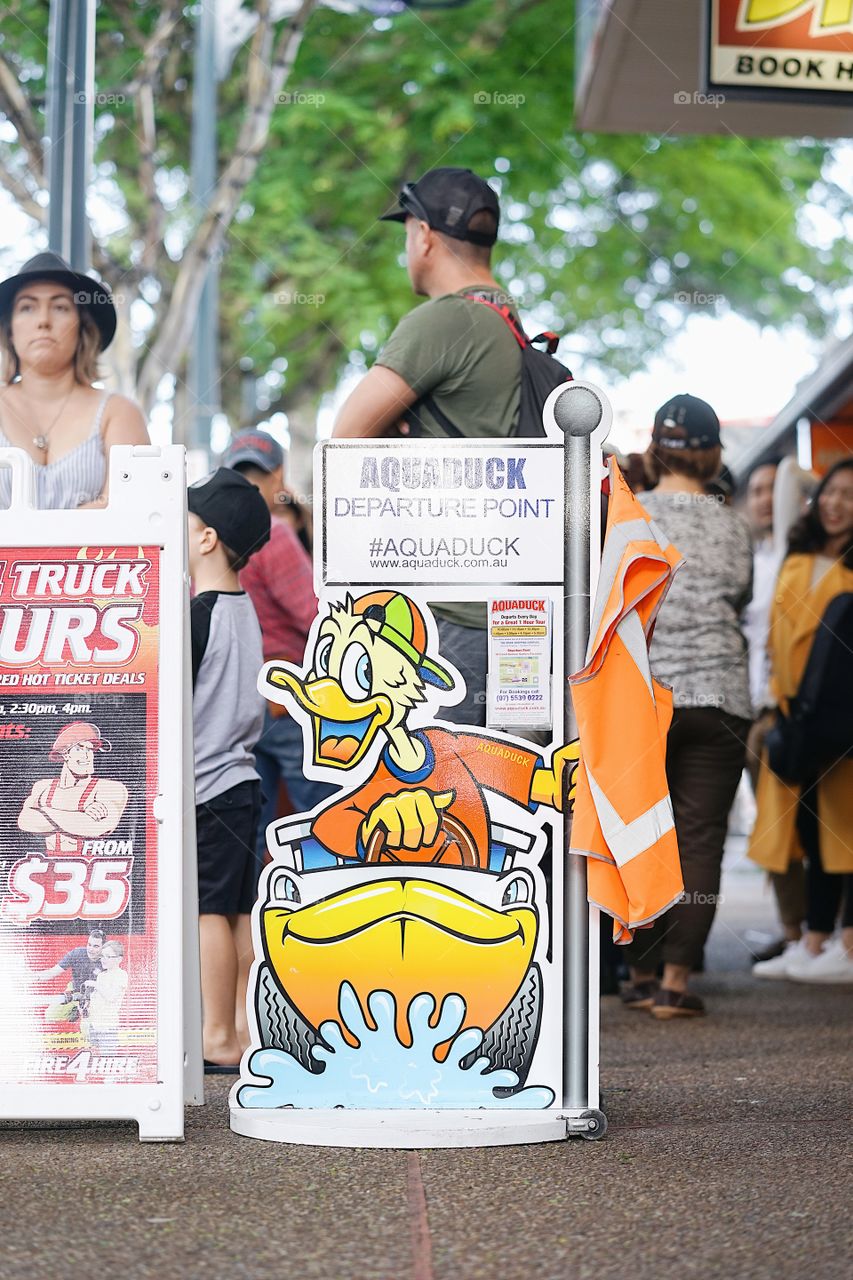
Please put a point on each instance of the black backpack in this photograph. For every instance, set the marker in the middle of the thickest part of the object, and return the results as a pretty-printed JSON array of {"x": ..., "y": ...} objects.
[{"x": 540, "y": 374}]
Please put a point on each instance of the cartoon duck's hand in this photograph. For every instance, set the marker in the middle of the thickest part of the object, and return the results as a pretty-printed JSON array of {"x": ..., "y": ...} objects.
[
  {"x": 547, "y": 785},
  {"x": 410, "y": 819}
]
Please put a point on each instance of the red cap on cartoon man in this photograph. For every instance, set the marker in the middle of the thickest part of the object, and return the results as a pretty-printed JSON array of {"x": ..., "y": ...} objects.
[{"x": 76, "y": 733}]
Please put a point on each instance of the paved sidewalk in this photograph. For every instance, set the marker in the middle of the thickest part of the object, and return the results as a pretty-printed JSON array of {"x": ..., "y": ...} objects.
[{"x": 727, "y": 1157}]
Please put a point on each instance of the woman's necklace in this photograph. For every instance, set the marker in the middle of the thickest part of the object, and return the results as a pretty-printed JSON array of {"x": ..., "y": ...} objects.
[{"x": 42, "y": 439}]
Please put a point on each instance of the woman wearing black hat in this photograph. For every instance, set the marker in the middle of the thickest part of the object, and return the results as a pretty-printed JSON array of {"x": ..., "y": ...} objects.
[{"x": 54, "y": 323}]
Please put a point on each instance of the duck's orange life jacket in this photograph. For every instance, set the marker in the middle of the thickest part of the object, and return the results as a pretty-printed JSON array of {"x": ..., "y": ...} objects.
[{"x": 623, "y": 820}]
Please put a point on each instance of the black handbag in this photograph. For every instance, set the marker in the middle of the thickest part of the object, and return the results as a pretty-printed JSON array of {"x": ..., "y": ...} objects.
[
  {"x": 817, "y": 732},
  {"x": 788, "y": 748}
]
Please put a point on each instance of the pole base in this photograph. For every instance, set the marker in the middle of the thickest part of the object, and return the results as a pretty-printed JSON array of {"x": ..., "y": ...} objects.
[
  {"x": 407, "y": 1130},
  {"x": 591, "y": 1124}
]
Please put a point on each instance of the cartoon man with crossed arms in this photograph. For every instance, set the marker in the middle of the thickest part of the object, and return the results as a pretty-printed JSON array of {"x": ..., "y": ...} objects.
[{"x": 75, "y": 806}]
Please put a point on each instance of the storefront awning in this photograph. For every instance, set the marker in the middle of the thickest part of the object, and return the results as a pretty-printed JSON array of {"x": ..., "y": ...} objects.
[{"x": 640, "y": 70}]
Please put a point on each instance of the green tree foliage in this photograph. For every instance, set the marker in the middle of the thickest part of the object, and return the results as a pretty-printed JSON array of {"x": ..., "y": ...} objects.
[{"x": 609, "y": 239}]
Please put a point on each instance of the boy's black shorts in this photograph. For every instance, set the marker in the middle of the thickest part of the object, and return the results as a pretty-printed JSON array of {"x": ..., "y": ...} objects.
[{"x": 226, "y": 836}]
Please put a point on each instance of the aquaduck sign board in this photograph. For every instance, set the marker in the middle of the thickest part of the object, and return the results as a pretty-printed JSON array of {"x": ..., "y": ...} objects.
[
  {"x": 454, "y": 514},
  {"x": 408, "y": 978}
]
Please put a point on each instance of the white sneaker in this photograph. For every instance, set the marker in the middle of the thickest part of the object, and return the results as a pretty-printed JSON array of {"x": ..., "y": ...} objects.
[
  {"x": 801, "y": 962},
  {"x": 778, "y": 966},
  {"x": 834, "y": 964}
]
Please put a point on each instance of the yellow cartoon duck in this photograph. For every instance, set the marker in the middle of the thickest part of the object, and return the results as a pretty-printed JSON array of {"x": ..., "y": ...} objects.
[
  {"x": 369, "y": 669},
  {"x": 423, "y": 803}
]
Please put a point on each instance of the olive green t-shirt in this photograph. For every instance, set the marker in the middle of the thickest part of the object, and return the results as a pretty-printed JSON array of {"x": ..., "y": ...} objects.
[{"x": 465, "y": 357}]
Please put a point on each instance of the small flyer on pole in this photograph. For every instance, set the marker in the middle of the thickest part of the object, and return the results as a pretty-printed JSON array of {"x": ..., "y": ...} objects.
[{"x": 519, "y": 681}]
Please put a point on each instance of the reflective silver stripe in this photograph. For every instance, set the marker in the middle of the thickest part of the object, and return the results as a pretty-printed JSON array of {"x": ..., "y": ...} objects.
[
  {"x": 635, "y": 924},
  {"x": 616, "y": 542},
  {"x": 631, "y": 633},
  {"x": 659, "y": 536},
  {"x": 596, "y": 857},
  {"x": 626, "y": 840}
]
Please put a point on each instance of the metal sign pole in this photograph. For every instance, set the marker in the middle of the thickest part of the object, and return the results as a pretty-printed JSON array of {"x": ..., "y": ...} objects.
[
  {"x": 578, "y": 411},
  {"x": 70, "y": 113}
]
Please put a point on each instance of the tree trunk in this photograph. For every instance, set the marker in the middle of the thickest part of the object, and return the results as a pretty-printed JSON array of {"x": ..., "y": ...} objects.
[{"x": 271, "y": 60}]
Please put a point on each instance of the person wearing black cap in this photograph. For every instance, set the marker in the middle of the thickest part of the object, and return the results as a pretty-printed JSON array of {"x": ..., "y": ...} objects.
[
  {"x": 451, "y": 359},
  {"x": 698, "y": 649},
  {"x": 54, "y": 323},
  {"x": 280, "y": 584},
  {"x": 228, "y": 521},
  {"x": 457, "y": 352}
]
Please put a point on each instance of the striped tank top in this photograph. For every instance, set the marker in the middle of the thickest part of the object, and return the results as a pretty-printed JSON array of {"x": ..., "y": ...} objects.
[{"x": 71, "y": 480}]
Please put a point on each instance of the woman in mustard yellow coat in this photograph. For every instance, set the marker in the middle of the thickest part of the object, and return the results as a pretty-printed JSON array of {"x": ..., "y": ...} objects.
[{"x": 816, "y": 819}]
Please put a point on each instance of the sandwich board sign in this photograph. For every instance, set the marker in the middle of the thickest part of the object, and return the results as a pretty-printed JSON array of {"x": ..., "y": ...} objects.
[
  {"x": 92, "y": 726},
  {"x": 408, "y": 985}
]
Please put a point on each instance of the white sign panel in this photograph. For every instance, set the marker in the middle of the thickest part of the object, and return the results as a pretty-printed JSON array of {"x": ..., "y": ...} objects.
[
  {"x": 442, "y": 512},
  {"x": 92, "y": 796}
]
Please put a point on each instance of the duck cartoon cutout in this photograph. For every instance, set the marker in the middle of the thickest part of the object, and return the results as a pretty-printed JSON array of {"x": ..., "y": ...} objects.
[{"x": 402, "y": 915}]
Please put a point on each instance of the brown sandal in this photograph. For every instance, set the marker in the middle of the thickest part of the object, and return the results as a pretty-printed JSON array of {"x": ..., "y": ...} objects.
[
  {"x": 639, "y": 995},
  {"x": 676, "y": 1004}
]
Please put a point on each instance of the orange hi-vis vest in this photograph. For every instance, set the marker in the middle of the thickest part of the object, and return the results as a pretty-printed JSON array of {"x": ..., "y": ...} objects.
[{"x": 623, "y": 821}]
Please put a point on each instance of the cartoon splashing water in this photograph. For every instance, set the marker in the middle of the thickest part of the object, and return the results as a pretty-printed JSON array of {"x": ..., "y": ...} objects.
[{"x": 381, "y": 1072}]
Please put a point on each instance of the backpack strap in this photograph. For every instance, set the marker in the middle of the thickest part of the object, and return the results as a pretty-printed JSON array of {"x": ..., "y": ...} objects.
[
  {"x": 549, "y": 340},
  {"x": 506, "y": 315},
  {"x": 416, "y": 427},
  {"x": 450, "y": 428}
]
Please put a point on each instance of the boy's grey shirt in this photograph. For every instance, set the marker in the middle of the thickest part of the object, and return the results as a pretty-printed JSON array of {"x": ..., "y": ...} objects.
[{"x": 228, "y": 710}]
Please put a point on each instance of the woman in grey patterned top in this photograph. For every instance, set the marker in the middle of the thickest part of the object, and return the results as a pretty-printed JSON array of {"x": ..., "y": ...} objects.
[
  {"x": 698, "y": 649},
  {"x": 54, "y": 322}
]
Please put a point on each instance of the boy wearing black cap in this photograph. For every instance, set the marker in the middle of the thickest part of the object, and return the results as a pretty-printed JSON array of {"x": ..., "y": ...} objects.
[{"x": 228, "y": 522}]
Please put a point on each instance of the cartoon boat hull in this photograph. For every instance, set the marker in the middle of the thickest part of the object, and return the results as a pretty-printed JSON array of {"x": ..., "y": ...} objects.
[{"x": 402, "y": 935}]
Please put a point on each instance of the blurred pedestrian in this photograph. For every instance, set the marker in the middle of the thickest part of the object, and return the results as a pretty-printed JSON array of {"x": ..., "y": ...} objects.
[
  {"x": 54, "y": 323},
  {"x": 767, "y": 555},
  {"x": 295, "y": 509},
  {"x": 814, "y": 817},
  {"x": 279, "y": 581},
  {"x": 699, "y": 649},
  {"x": 450, "y": 361}
]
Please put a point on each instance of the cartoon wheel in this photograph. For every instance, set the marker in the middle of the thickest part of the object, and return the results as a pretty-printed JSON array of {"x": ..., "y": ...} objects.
[
  {"x": 280, "y": 1026},
  {"x": 510, "y": 1042}
]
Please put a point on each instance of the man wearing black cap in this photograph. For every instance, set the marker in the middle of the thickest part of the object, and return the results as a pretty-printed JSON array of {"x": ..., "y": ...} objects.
[
  {"x": 453, "y": 351},
  {"x": 228, "y": 522},
  {"x": 451, "y": 360}
]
